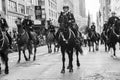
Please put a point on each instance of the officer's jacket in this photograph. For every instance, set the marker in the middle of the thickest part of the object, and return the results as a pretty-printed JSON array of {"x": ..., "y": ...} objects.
[
  {"x": 105, "y": 27},
  {"x": 3, "y": 23},
  {"x": 51, "y": 28},
  {"x": 93, "y": 27},
  {"x": 27, "y": 23},
  {"x": 112, "y": 20},
  {"x": 66, "y": 18}
]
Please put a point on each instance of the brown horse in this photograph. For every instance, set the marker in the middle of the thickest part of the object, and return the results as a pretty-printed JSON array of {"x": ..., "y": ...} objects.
[
  {"x": 4, "y": 50},
  {"x": 50, "y": 39},
  {"x": 24, "y": 41}
]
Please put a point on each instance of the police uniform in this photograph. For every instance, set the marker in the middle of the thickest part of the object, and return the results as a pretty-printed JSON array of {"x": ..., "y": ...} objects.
[
  {"x": 27, "y": 25},
  {"x": 105, "y": 27},
  {"x": 112, "y": 20},
  {"x": 51, "y": 28},
  {"x": 93, "y": 27},
  {"x": 3, "y": 26},
  {"x": 67, "y": 19}
]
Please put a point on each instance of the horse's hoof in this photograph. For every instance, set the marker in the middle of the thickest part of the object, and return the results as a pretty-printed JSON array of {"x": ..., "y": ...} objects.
[
  {"x": 28, "y": 59},
  {"x": 63, "y": 71},
  {"x": 18, "y": 61},
  {"x": 34, "y": 59},
  {"x": 6, "y": 71},
  {"x": 68, "y": 67},
  {"x": 70, "y": 70},
  {"x": 78, "y": 64}
]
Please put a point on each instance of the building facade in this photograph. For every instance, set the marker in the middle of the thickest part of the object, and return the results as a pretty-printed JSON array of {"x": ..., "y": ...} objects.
[
  {"x": 104, "y": 12},
  {"x": 17, "y": 8},
  {"x": 49, "y": 11},
  {"x": 115, "y": 6},
  {"x": 79, "y": 12},
  {"x": 82, "y": 8}
]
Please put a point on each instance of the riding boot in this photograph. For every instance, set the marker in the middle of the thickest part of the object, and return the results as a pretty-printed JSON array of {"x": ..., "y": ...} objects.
[
  {"x": 78, "y": 43},
  {"x": 30, "y": 37}
]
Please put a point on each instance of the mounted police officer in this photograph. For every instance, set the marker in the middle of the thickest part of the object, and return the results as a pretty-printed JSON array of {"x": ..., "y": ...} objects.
[
  {"x": 105, "y": 26},
  {"x": 4, "y": 27},
  {"x": 93, "y": 27},
  {"x": 27, "y": 25},
  {"x": 112, "y": 19},
  {"x": 67, "y": 20},
  {"x": 51, "y": 27}
]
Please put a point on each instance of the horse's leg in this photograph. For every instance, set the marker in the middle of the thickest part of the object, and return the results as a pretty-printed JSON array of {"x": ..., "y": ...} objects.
[
  {"x": 63, "y": 59},
  {"x": 0, "y": 69},
  {"x": 35, "y": 49},
  {"x": 54, "y": 47},
  {"x": 19, "y": 55},
  {"x": 114, "y": 49},
  {"x": 77, "y": 55},
  {"x": 105, "y": 47},
  {"x": 50, "y": 47},
  {"x": 30, "y": 50},
  {"x": 25, "y": 55},
  {"x": 89, "y": 46},
  {"x": 6, "y": 63},
  {"x": 71, "y": 60},
  {"x": 119, "y": 45},
  {"x": 58, "y": 48},
  {"x": 96, "y": 45},
  {"x": 93, "y": 46},
  {"x": 68, "y": 67}
]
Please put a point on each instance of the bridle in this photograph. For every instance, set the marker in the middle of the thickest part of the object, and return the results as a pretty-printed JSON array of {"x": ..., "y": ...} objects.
[{"x": 70, "y": 34}]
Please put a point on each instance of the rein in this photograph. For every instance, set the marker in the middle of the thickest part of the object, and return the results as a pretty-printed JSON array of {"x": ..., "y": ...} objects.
[
  {"x": 115, "y": 32},
  {"x": 2, "y": 40},
  {"x": 70, "y": 33}
]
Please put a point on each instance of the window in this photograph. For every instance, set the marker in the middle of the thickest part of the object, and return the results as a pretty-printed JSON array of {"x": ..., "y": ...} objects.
[
  {"x": 49, "y": 2},
  {"x": 21, "y": 8},
  {"x": 12, "y": 6}
]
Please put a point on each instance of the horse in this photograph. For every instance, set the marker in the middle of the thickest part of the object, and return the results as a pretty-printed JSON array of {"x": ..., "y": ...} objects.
[
  {"x": 114, "y": 36},
  {"x": 50, "y": 39},
  {"x": 93, "y": 38},
  {"x": 66, "y": 40},
  {"x": 4, "y": 47},
  {"x": 104, "y": 38},
  {"x": 24, "y": 42}
]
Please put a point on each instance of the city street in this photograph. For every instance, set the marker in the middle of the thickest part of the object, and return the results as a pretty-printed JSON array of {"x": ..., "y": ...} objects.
[{"x": 94, "y": 66}]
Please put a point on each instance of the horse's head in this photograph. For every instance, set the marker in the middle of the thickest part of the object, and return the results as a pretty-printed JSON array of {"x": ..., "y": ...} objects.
[
  {"x": 18, "y": 22},
  {"x": 117, "y": 26}
]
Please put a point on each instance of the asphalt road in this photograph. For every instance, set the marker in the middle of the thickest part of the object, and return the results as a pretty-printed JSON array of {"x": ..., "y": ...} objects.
[{"x": 94, "y": 66}]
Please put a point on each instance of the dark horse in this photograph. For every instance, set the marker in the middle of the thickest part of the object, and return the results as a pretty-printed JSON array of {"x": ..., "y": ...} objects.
[
  {"x": 4, "y": 50},
  {"x": 93, "y": 37},
  {"x": 114, "y": 36},
  {"x": 67, "y": 46},
  {"x": 104, "y": 39},
  {"x": 24, "y": 42}
]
